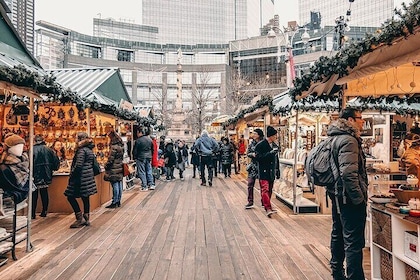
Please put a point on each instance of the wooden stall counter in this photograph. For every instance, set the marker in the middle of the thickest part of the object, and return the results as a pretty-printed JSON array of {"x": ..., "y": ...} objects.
[{"x": 58, "y": 201}]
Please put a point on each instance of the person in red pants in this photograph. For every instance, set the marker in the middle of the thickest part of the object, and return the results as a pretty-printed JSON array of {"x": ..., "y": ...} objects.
[{"x": 268, "y": 167}]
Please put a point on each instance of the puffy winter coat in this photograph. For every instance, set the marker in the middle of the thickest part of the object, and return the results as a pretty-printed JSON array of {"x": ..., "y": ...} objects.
[
  {"x": 268, "y": 161},
  {"x": 169, "y": 155},
  {"x": 114, "y": 165},
  {"x": 45, "y": 162},
  {"x": 206, "y": 146},
  {"x": 226, "y": 153},
  {"x": 155, "y": 153},
  {"x": 81, "y": 179},
  {"x": 252, "y": 167},
  {"x": 351, "y": 160}
]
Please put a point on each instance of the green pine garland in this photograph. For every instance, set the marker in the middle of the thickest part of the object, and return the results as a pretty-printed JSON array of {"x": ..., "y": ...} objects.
[{"x": 348, "y": 57}]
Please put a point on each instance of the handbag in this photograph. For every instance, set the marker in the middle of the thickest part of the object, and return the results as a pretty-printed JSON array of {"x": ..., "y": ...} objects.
[
  {"x": 126, "y": 170},
  {"x": 96, "y": 167}
]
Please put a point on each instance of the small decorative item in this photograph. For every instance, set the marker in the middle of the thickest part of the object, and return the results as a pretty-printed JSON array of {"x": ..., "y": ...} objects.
[{"x": 71, "y": 113}]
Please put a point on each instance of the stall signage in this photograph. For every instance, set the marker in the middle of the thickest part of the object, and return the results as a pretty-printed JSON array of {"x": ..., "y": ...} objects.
[{"x": 125, "y": 105}]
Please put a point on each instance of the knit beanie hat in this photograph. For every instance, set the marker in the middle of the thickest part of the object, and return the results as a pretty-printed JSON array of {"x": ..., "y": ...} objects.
[
  {"x": 13, "y": 139},
  {"x": 259, "y": 132},
  {"x": 271, "y": 131}
]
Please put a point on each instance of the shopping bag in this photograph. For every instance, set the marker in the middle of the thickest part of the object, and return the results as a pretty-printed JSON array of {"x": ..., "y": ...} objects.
[{"x": 126, "y": 170}]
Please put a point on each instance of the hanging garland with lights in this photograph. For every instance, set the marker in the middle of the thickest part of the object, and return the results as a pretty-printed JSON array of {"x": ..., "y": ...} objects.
[
  {"x": 264, "y": 101},
  {"x": 310, "y": 103},
  {"x": 405, "y": 106},
  {"x": 348, "y": 57},
  {"x": 53, "y": 92}
]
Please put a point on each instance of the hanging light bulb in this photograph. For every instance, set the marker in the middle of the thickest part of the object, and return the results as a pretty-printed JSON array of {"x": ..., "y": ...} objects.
[{"x": 413, "y": 84}]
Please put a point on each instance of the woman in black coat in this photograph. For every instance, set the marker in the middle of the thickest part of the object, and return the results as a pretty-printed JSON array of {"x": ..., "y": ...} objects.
[
  {"x": 114, "y": 168},
  {"x": 226, "y": 154},
  {"x": 81, "y": 180},
  {"x": 170, "y": 159}
]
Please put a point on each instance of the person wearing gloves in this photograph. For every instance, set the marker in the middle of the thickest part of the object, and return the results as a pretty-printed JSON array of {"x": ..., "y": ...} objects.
[
  {"x": 81, "y": 180},
  {"x": 45, "y": 162},
  {"x": 268, "y": 167},
  {"x": 14, "y": 168}
]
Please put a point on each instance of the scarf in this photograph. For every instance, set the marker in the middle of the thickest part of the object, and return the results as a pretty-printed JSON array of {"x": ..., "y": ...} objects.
[{"x": 19, "y": 166}]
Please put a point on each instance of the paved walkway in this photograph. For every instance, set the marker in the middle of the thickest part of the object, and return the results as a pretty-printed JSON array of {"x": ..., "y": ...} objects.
[{"x": 181, "y": 230}]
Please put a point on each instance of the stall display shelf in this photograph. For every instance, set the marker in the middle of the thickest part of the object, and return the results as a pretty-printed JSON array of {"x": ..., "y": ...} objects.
[
  {"x": 389, "y": 244},
  {"x": 305, "y": 205}
]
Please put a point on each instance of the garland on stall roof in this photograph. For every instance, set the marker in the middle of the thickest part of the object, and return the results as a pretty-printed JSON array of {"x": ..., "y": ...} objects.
[
  {"x": 405, "y": 106},
  {"x": 347, "y": 58},
  {"x": 310, "y": 103},
  {"x": 264, "y": 101}
]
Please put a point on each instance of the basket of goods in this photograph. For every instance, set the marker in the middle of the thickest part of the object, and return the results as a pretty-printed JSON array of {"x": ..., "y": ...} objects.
[{"x": 403, "y": 196}]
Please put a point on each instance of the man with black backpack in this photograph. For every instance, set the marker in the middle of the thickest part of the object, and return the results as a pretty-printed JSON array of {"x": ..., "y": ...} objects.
[{"x": 348, "y": 196}]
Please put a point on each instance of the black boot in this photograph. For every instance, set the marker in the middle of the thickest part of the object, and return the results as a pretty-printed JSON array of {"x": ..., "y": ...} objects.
[
  {"x": 86, "y": 217},
  {"x": 112, "y": 205},
  {"x": 79, "y": 221}
]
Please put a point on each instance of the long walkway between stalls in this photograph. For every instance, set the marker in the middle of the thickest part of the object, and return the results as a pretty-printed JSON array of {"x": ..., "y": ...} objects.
[{"x": 181, "y": 230}]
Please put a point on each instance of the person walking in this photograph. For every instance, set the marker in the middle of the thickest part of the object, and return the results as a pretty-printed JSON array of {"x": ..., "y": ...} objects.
[
  {"x": 114, "y": 172},
  {"x": 170, "y": 159},
  {"x": 195, "y": 158},
  {"x": 45, "y": 162},
  {"x": 181, "y": 154},
  {"x": 252, "y": 167},
  {"x": 143, "y": 152},
  {"x": 268, "y": 167},
  {"x": 81, "y": 179},
  {"x": 241, "y": 151},
  {"x": 155, "y": 160},
  {"x": 349, "y": 200},
  {"x": 206, "y": 147},
  {"x": 226, "y": 154}
]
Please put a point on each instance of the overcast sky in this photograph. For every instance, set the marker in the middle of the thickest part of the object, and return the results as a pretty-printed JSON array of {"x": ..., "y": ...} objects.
[{"x": 78, "y": 14}]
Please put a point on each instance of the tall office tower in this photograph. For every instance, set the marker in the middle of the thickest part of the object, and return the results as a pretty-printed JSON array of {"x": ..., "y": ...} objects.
[
  {"x": 363, "y": 13},
  {"x": 206, "y": 22},
  {"x": 22, "y": 17}
]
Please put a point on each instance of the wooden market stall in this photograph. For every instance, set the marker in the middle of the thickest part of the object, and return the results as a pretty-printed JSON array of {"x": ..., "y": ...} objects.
[{"x": 382, "y": 72}]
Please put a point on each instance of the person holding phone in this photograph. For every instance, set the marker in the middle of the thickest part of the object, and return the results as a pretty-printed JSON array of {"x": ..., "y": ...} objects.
[{"x": 266, "y": 154}]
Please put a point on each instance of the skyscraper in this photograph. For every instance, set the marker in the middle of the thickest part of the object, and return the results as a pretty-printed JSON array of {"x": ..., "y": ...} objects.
[
  {"x": 22, "y": 17},
  {"x": 206, "y": 22},
  {"x": 363, "y": 13}
]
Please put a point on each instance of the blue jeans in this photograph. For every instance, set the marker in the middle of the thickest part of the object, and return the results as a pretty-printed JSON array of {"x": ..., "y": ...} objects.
[
  {"x": 144, "y": 172},
  {"x": 117, "y": 188}
]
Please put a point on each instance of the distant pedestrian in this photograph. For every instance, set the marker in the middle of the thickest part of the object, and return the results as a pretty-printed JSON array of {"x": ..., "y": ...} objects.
[
  {"x": 170, "y": 159},
  {"x": 206, "y": 147},
  {"x": 252, "y": 167},
  {"x": 143, "y": 152},
  {"x": 195, "y": 159},
  {"x": 45, "y": 163},
  {"x": 241, "y": 151},
  {"x": 114, "y": 168},
  {"x": 181, "y": 154},
  {"x": 81, "y": 179},
  {"x": 226, "y": 154},
  {"x": 266, "y": 153},
  {"x": 155, "y": 160}
]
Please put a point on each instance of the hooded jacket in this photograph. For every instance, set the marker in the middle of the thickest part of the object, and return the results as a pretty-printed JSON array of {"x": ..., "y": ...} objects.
[
  {"x": 351, "y": 160},
  {"x": 82, "y": 180},
  {"x": 206, "y": 145}
]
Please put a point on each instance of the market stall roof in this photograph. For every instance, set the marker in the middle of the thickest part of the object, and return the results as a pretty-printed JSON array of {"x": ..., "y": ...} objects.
[
  {"x": 219, "y": 120},
  {"x": 285, "y": 104},
  {"x": 94, "y": 82},
  {"x": 404, "y": 106}
]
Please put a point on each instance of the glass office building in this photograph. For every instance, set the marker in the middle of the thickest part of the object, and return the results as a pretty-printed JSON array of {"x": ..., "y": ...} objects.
[
  {"x": 363, "y": 13},
  {"x": 206, "y": 22},
  {"x": 22, "y": 17}
]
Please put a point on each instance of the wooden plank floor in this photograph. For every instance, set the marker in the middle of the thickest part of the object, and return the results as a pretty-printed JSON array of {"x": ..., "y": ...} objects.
[{"x": 181, "y": 230}]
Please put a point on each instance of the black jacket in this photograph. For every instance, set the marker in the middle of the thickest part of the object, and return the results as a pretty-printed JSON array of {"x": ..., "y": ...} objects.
[
  {"x": 114, "y": 165},
  {"x": 81, "y": 179},
  {"x": 143, "y": 148},
  {"x": 268, "y": 161},
  {"x": 351, "y": 160},
  {"x": 45, "y": 162}
]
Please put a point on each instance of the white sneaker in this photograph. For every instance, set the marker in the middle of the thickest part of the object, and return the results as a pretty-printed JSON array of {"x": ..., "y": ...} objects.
[
  {"x": 270, "y": 212},
  {"x": 152, "y": 187}
]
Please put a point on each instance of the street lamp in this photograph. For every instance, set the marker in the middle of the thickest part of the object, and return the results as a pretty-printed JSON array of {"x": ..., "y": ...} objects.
[{"x": 290, "y": 69}]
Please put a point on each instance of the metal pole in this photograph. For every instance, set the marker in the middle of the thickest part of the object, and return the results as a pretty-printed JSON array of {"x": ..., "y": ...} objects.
[
  {"x": 31, "y": 172},
  {"x": 295, "y": 208}
]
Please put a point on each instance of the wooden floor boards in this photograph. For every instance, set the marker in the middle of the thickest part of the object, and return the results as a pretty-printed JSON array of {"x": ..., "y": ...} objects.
[{"x": 181, "y": 230}]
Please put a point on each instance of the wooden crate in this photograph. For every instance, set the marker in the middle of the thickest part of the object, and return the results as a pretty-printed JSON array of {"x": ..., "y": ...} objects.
[{"x": 381, "y": 229}]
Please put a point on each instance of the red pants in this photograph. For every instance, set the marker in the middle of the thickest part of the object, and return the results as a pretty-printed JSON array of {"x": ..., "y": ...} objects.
[{"x": 266, "y": 192}]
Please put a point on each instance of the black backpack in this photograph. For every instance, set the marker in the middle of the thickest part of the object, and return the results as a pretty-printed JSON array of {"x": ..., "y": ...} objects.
[{"x": 321, "y": 167}]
